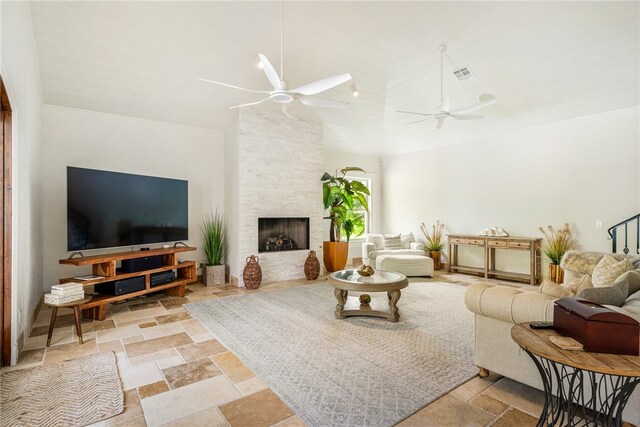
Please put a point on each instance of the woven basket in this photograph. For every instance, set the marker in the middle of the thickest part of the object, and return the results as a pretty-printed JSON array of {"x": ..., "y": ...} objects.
[
  {"x": 252, "y": 274},
  {"x": 312, "y": 266}
]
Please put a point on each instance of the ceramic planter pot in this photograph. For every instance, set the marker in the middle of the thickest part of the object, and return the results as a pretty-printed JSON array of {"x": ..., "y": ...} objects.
[
  {"x": 213, "y": 275},
  {"x": 334, "y": 255}
]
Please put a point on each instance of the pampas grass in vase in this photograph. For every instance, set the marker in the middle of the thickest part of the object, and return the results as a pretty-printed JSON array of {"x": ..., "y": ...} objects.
[
  {"x": 435, "y": 242},
  {"x": 558, "y": 242}
]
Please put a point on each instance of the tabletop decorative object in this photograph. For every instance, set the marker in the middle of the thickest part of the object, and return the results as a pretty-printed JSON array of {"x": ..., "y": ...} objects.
[{"x": 366, "y": 270}]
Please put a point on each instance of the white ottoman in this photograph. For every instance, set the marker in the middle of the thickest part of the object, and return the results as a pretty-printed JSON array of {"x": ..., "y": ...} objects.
[{"x": 409, "y": 265}]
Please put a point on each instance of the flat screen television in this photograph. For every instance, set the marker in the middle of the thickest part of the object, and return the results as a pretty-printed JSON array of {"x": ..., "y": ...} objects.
[{"x": 109, "y": 209}]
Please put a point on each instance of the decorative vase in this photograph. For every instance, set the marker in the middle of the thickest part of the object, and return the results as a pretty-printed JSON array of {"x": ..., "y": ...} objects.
[
  {"x": 334, "y": 255},
  {"x": 312, "y": 266},
  {"x": 435, "y": 256},
  {"x": 213, "y": 275},
  {"x": 252, "y": 274},
  {"x": 556, "y": 273}
]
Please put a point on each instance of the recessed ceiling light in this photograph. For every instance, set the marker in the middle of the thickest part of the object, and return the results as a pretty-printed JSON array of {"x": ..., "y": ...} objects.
[
  {"x": 354, "y": 90},
  {"x": 259, "y": 64}
]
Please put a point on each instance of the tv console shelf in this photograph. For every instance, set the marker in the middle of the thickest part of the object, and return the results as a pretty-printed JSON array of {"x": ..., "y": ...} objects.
[{"x": 106, "y": 266}]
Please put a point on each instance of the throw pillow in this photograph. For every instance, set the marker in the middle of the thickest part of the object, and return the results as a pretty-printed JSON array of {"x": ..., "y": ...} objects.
[
  {"x": 575, "y": 286},
  {"x": 551, "y": 288},
  {"x": 633, "y": 279},
  {"x": 392, "y": 241},
  {"x": 607, "y": 270},
  {"x": 407, "y": 239},
  {"x": 608, "y": 295}
]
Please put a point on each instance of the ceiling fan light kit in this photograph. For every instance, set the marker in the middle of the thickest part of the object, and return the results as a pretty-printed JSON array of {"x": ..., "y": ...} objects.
[
  {"x": 281, "y": 94},
  {"x": 443, "y": 111}
]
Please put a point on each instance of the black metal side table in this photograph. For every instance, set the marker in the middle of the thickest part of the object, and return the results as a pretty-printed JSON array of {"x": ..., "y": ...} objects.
[{"x": 580, "y": 388}]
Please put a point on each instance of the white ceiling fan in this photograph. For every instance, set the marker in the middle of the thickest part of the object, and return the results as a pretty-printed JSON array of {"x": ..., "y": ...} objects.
[
  {"x": 443, "y": 110},
  {"x": 281, "y": 93}
]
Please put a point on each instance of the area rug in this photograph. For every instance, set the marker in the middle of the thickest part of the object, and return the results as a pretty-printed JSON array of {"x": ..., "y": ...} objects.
[
  {"x": 71, "y": 393},
  {"x": 360, "y": 371}
]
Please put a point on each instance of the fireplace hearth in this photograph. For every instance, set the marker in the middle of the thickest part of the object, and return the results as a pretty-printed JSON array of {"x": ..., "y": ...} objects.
[{"x": 283, "y": 234}]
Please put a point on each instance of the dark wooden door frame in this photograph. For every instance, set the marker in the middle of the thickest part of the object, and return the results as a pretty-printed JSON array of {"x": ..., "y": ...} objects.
[{"x": 5, "y": 227}]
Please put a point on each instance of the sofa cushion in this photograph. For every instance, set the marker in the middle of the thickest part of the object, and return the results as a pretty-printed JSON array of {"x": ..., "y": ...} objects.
[
  {"x": 608, "y": 270},
  {"x": 575, "y": 286},
  {"x": 584, "y": 262},
  {"x": 407, "y": 239},
  {"x": 376, "y": 239},
  {"x": 551, "y": 288},
  {"x": 374, "y": 254},
  {"x": 633, "y": 279},
  {"x": 392, "y": 241},
  {"x": 607, "y": 295},
  {"x": 632, "y": 306}
]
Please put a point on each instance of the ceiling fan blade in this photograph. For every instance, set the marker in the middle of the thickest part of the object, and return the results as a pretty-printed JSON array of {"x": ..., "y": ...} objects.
[
  {"x": 465, "y": 117},
  {"x": 287, "y": 111},
  {"x": 236, "y": 87},
  {"x": 444, "y": 105},
  {"x": 413, "y": 112},
  {"x": 323, "y": 103},
  {"x": 250, "y": 103},
  {"x": 440, "y": 123},
  {"x": 322, "y": 85},
  {"x": 270, "y": 72},
  {"x": 484, "y": 101},
  {"x": 419, "y": 121}
]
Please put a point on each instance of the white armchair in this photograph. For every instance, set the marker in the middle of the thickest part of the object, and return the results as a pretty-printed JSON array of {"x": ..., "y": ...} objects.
[{"x": 373, "y": 246}]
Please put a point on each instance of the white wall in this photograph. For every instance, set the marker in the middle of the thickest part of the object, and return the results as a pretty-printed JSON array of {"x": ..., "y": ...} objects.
[
  {"x": 577, "y": 171},
  {"x": 124, "y": 144},
  {"x": 19, "y": 70},
  {"x": 336, "y": 160}
]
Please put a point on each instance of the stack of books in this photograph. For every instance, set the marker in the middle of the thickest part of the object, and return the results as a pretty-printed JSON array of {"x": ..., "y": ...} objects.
[{"x": 64, "y": 293}]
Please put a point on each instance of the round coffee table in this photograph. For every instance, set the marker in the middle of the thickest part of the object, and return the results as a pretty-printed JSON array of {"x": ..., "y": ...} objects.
[{"x": 381, "y": 281}]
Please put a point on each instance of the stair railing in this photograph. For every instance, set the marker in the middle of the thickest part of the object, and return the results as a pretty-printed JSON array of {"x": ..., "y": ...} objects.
[{"x": 613, "y": 232}]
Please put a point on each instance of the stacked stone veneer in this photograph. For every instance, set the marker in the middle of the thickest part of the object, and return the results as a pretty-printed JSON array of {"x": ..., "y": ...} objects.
[{"x": 280, "y": 162}]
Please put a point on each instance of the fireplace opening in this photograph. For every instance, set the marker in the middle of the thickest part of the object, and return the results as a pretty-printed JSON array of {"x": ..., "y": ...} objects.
[{"x": 283, "y": 234}]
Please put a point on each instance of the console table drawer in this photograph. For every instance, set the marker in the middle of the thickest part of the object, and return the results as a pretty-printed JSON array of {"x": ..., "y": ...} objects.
[
  {"x": 521, "y": 245},
  {"x": 477, "y": 242},
  {"x": 458, "y": 240},
  {"x": 497, "y": 243}
]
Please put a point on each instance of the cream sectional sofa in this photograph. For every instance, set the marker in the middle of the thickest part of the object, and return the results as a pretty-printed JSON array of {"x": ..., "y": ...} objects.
[
  {"x": 498, "y": 308},
  {"x": 410, "y": 259}
]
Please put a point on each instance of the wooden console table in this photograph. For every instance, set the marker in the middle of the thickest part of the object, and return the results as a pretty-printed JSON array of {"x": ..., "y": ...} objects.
[{"x": 489, "y": 244}]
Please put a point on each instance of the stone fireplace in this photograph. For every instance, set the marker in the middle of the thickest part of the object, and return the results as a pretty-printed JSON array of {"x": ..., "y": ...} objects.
[
  {"x": 273, "y": 166},
  {"x": 283, "y": 234}
]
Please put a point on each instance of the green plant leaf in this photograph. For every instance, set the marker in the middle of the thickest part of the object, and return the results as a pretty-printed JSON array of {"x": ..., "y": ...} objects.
[
  {"x": 326, "y": 177},
  {"x": 213, "y": 233},
  {"x": 351, "y": 169},
  {"x": 359, "y": 187}
]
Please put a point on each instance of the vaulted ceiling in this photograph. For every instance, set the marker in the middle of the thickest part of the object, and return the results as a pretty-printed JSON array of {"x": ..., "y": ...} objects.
[{"x": 544, "y": 61}]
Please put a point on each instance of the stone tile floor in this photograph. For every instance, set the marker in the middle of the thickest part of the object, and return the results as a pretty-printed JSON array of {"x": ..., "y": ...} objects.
[{"x": 174, "y": 372}]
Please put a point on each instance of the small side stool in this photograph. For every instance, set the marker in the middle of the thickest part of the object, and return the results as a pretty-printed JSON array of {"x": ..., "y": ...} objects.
[{"x": 76, "y": 314}]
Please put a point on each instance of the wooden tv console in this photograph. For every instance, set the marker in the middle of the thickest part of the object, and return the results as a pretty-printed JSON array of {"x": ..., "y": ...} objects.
[{"x": 105, "y": 266}]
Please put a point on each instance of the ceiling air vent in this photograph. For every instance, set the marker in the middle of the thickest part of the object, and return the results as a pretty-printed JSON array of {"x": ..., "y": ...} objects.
[{"x": 463, "y": 73}]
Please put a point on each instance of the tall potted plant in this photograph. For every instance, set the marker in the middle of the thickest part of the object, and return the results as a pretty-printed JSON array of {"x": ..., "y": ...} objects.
[
  {"x": 213, "y": 233},
  {"x": 338, "y": 196},
  {"x": 435, "y": 242},
  {"x": 558, "y": 242}
]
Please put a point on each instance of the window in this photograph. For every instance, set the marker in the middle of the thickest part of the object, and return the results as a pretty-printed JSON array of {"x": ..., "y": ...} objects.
[{"x": 359, "y": 216}]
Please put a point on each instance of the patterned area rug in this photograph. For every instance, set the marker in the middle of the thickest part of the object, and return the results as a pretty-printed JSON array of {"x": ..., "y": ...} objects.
[
  {"x": 71, "y": 393},
  {"x": 360, "y": 371}
]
